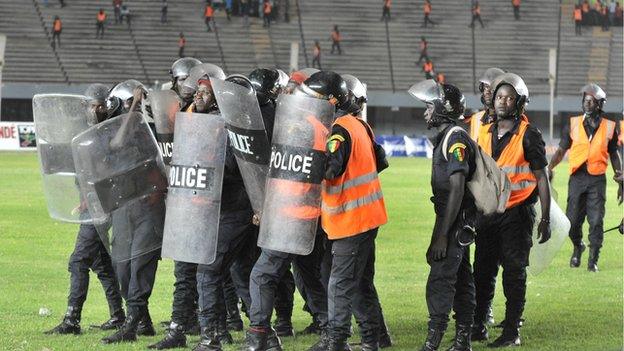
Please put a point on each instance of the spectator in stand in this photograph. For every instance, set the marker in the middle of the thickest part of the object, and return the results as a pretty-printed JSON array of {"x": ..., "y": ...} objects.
[
  {"x": 427, "y": 13},
  {"x": 578, "y": 18},
  {"x": 267, "y": 9},
  {"x": 516, "y": 9},
  {"x": 181, "y": 45},
  {"x": 62, "y": 2},
  {"x": 612, "y": 13},
  {"x": 228, "y": 10},
  {"x": 244, "y": 8},
  {"x": 163, "y": 11},
  {"x": 424, "y": 44},
  {"x": 476, "y": 14},
  {"x": 385, "y": 14},
  {"x": 100, "y": 21},
  {"x": 117, "y": 10},
  {"x": 605, "y": 18},
  {"x": 57, "y": 27},
  {"x": 125, "y": 13},
  {"x": 316, "y": 55},
  {"x": 618, "y": 14},
  {"x": 336, "y": 39},
  {"x": 286, "y": 10},
  {"x": 208, "y": 13},
  {"x": 428, "y": 69},
  {"x": 441, "y": 78},
  {"x": 597, "y": 13}
]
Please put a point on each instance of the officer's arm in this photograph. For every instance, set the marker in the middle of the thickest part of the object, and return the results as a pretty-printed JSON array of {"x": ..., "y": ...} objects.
[
  {"x": 616, "y": 161},
  {"x": 543, "y": 189},
  {"x": 456, "y": 195},
  {"x": 338, "y": 150}
]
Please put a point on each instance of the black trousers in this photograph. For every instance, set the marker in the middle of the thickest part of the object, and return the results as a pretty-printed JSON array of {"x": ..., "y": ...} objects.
[
  {"x": 265, "y": 278},
  {"x": 586, "y": 198},
  {"x": 303, "y": 273},
  {"x": 516, "y": 10},
  {"x": 351, "y": 287},
  {"x": 137, "y": 278},
  {"x": 235, "y": 228},
  {"x": 56, "y": 36},
  {"x": 577, "y": 27},
  {"x": 99, "y": 31},
  {"x": 503, "y": 240},
  {"x": 90, "y": 253},
  {"x": 451, "y": 285},
  {"x": 184, "y": 293},
  {"x": 336, "y": 45},
  {"x": 476, "y": 18}
]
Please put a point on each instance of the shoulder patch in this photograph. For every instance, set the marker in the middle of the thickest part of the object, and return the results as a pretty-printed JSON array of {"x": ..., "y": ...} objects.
[
  {"x": 458, "y": 150},
  {"x": 337, "y": 137},
  {"x": 334, "y": 142}
]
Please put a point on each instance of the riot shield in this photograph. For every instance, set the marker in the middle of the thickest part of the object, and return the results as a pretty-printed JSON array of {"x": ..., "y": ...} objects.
[
  {"x": 117, "y": 161},
  {"x": 248, "y": 138},
  {"x": 542, "y": 254},
  {"x": 164, "y": 104},
  {"x": 58, "y": 118},
  {"x": 296, "y": 167},
  {"x": 195, "y": 182}
]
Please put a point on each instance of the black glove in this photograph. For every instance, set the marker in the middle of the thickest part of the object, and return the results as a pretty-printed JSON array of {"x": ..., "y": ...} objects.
[
  {"x": 543, "y": 231},
  {"x": 437, "y": 248}
]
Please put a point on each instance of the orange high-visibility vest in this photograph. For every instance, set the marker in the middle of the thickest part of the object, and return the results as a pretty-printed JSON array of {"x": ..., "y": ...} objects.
[
  {"x": 475, "y": 124},
  {"x": 181, "y": 42},
  {"x": 441, "y": 78},
  {"x": 387, "y": 3},
  {"x": 101, "y": 16},
  {"x": 353, "y": 202},
  {"x": 515, "y": 3},
  {"x": 513, "y": 163},
  {"x": 427, "y": 8},
  {"x": 58, "y": 25},
  {"x": 594, "y": 152},
  {"x": 476, "y": 10},
  {"x": 578, "y": 15},
  {"x": 209, "y": 11},
  {"x": 267, "y": 8},
  {"x": 428, "y": 67},
  {"x": 336, "y": 36}
]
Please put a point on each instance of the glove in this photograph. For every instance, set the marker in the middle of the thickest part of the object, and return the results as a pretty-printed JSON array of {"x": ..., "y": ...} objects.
[
  {"x": 543, "y": 231},
  {"x": 255, "y": 219},
  {"x": 437, "y": 249}
]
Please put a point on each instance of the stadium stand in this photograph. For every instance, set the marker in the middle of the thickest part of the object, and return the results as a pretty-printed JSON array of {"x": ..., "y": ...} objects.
[{"x": 146, "y": 49}]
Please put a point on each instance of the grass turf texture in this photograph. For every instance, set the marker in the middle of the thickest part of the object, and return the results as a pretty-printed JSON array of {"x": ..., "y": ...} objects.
[{"x": 567, "y": 309}]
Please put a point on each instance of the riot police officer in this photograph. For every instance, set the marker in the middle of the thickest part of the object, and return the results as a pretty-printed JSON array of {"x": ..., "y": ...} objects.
[
  {"x": 89, "y": 251},
  {"x": 180, "y": 70},
  {"x": 487, "y": 115},
  {"x": 450, "y": 283}
]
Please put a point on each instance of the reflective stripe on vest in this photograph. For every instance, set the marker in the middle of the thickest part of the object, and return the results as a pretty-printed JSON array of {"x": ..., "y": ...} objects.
[
  {"x": 512, "y": 162},
  {"x": 595, "y": 150},
  {"x": 353, "y": 202}
]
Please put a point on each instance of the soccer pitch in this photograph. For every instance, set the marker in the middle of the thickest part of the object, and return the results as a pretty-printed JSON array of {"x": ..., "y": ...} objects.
[{"x": 567, "y": 309}]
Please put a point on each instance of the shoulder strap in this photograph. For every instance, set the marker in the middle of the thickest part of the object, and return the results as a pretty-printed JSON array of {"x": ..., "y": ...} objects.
[
  {"x": 447, "y": 137},
  {"x": 368, "y": 129}
]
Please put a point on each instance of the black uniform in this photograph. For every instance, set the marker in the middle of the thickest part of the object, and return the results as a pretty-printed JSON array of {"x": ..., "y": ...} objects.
[
  {"x": 505, "y": 239},
  {"x": 90, "y": 253},
  {"x": 586, "y": 192},
  {"x": 450, "y": 283},
  {"x": 351, "y": 266}
]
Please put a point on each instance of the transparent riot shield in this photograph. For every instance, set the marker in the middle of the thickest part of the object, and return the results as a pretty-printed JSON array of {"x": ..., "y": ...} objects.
[
  {"x": 58, "y": 118},
  {"x": 195, "y": 183},
  {"x": 248, "y": 138},
  {"x": 293, "y": 190},
  {"x": 165, "y": 104},
  {"x": 542, "y": 254}
]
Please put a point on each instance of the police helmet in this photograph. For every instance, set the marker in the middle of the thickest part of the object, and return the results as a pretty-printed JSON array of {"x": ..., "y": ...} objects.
[
  {"x": 181, "y": 67},
  {"x": 596, "y": 92},
  {"x": 283, "y": 79},
  {"x": 121, "y": 93},
  {"x": 266, "y": 83},
  {"x": 447, "y": 100},
  {"x": 357, "y": 93},
  {"x": 516, "y": 82},
  {"x": 242, "y": 81},
  {"x": 488, "y": 77},
  {"x": 327, "y": 85},
  {"x": 97, "y": 93}
]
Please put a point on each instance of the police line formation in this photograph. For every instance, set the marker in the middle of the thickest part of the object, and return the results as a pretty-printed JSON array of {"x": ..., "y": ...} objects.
[{"x": 270, "y": 171}]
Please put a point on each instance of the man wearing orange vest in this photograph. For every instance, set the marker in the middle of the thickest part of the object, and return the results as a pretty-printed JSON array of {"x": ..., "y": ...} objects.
[
  {"x": 428, "y": 69},
  {"x": 100, "y": 20},
  {"x": 450, "y": 283},
  {"x": 427, "y": 13},
  {"x": 592, "y": 140},
  {"x": 505, "y": 239},
  {"x": 57, "y": 28},
  {"x": 487, "y": 115},
  {"x": 476, "y": 15},
  {"x": 578, "y": 18},
  {"x": 336, "y": 38},
  {"x": 516, "y": 8},
  {"x": 208, "y": 13}
]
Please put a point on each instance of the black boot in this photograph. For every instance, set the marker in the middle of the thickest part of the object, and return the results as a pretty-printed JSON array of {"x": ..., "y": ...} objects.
[
  {"x": 479, "y": 332},
  {"x": 369, "y": 346},
  {"x": 208, "y": 341},
  {"x": 592, "y": 262},
  {"x": 313, "y": 328},
  {"x": 462, "y": 338},
  {"x": 70, "y": 323},
  {"x": 146, "y": 327},
  {"x": 223, "y": 334},
  {"x": 174, "y": 338},
  {"x": 192, "y": 325},
  {"x": 384, "y": 336},
  {"x": 575, "y": 260},
  {"x": 283, "y": 327},
  {"x": 128, "y": 331},
  {"x": 329, "y": 343},
  {"x": 262, "y": 340},
  {"x": 115, "y": 321},
  {"x": 234, "y": 321},
  {"x": 434, "y": 338},
  {"x": 509, "y": 337}
]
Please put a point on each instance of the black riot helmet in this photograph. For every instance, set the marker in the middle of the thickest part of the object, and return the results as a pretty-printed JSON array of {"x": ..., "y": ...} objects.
[
  {"x": 266, "y": 82},
  {"x": 242, "y": 81},
  {"x": 446, "y": 101},
  {"x": 327, "y": 85},
  {"x": 595, "y": 91}
]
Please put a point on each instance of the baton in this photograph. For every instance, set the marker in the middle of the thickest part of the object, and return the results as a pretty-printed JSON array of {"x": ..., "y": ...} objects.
[{"x": 611, "y": 229}]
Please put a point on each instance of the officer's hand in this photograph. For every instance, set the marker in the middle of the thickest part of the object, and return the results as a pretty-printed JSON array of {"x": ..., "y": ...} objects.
[
  {"x": 138, "y": 94},
  {"x": 543, "y": 231},
  {"x": 255, "y": 219},
  {"x": 622, "y": 227},
  {"x": 437, "y": 249}
]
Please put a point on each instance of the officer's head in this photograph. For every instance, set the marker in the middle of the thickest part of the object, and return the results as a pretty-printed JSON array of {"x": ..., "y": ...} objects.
[
  {"x": 445, "y": 102},
  {"x": 326, "y": 85},
  {"x": 485, "y": 85},
  {"x": 593, "y": 98},
  {"x": 201, "y": 71},
  {"x": 204, "y": 97},
  {"x": 510, "y": 96},
  {"x": 357, "y": 94},
  {"x": 96, "y": 97},
  {"x": 180, "y": 71},
  {"x": 266, "y": 84},
  {"x": 121, "y": 96}
]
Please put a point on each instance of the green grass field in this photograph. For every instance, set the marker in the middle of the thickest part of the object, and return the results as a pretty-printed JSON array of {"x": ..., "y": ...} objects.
[{"x": 567, "y": 309}]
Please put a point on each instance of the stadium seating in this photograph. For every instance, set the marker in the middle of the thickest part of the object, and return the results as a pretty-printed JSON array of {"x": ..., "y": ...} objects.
[{"x": 146, "y": 49}]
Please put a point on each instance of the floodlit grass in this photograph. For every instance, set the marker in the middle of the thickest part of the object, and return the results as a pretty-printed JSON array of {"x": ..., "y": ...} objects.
[{"x": 567, "y": 309}]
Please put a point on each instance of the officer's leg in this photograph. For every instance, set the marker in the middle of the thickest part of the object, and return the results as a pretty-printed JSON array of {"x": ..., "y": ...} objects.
[
  {"x": 308, "y": 271},
  {"x": 103, "y": 267},
  {"x": 284, "y": 303},
  {"x": 596, "y": 197},
  {"x": 464, "y": 302},
  {"x": 233, "y": 320},
  {"x": 575, "y": 211},
  {"x": 486, "y": 262},
  {"x": 143, "y": 274},
  {"x": 242, "y": 266},
  {"x": 184, "y": 294},
  {"x": 515, "y": 230}
]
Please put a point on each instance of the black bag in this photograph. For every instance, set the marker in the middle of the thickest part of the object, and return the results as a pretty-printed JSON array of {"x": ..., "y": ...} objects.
[{"x": 380, "y": 154}]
